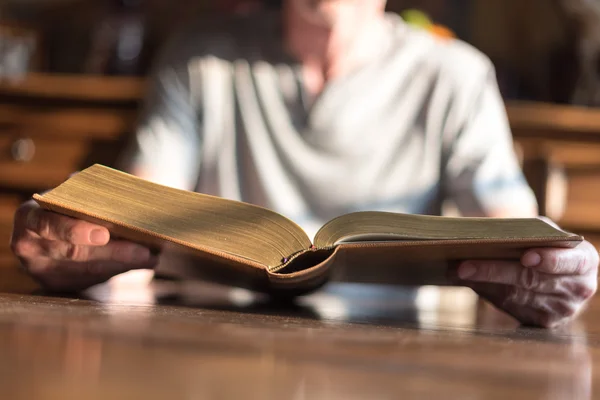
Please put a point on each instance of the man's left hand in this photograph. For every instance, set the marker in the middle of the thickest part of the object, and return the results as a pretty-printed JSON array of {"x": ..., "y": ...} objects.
[{"x": 548, "y": 287}]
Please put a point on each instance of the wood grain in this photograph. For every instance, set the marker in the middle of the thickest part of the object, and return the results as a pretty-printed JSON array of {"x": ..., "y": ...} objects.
[
  {"x": 73, "y": 122},
  {"x": 76, "y": 87},
  {"x": 552, "y": 121},
  {"x": 568, "y": 139},
  {"x": 583, "y": 200},
  {"x": 52, "y": 162},
  {"x": 564, "y": 152},
  {"x": 348, "y": 342}
]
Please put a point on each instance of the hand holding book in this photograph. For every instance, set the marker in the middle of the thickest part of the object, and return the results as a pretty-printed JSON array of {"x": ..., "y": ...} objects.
[
  {"x": 244, "y": 245},
  {"x": 67, "y": 254},
  {"x": 546, "y": 287}
]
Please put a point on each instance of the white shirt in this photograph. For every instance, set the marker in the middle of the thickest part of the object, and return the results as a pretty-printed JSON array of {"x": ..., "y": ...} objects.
[{"x": 422, "y": 123}]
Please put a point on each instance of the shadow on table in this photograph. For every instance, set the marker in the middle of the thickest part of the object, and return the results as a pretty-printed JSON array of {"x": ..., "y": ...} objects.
[
  {"x": 375, "y": 305},
  {"x": 334, "y": 303}
]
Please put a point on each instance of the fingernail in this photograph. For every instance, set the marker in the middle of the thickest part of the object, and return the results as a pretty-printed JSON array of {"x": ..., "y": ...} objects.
[
  {"x": 99, "y": 236},
  {"x": 466, "y": 270},
  {"x": 140, "y": 255},
  {"x": 531, "y": 259}
]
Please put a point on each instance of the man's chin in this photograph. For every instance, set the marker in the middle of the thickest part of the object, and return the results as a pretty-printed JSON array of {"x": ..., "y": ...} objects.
[{"x": 322, "y": 13}]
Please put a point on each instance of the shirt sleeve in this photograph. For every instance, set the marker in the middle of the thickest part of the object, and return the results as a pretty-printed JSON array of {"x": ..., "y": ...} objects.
[
  {"x": 482, "y": 173},
  {"x": 166, "y": 145}
]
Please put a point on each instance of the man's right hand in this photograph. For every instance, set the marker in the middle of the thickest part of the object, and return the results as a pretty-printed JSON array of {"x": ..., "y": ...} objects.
[{"x": 67, "y": 254}]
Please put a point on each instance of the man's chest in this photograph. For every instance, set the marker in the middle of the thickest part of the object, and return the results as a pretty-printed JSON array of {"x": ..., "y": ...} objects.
[{"x": 359, "y": 144}]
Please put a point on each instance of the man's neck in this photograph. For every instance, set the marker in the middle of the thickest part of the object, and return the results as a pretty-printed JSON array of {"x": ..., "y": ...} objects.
[{"x": 326, "y": 54}]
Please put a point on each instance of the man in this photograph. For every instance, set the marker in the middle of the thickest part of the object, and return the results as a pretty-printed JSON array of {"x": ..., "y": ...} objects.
[{"x": 329, "y": 107}]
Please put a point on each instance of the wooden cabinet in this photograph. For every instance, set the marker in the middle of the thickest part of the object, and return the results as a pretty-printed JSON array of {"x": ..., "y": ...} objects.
[
  {"x": 50, "y": 127},
  {"x": 562, "y": 146}
]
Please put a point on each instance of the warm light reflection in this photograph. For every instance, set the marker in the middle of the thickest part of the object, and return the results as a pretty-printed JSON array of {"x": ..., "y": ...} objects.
[
  {"x": 427, "y": 306},
  {"x": 82, "y": 354},
  {"x": 100, "y": 350},
  {"x": 133, "y": 287}
]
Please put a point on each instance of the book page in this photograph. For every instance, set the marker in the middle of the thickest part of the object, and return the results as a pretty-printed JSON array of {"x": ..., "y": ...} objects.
[
  {"x": 195, "y": 220},
  {"x": 384, "y": 226}
]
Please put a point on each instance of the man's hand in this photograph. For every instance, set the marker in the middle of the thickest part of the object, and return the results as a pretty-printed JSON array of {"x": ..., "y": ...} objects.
[
  {"x": 66, "y": 254},
  {"x": 547, "y": 288}
]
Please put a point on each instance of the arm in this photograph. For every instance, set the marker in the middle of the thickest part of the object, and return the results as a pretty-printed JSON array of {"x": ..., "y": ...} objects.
[
  {"x": 166, "y": 146},
  {"x": 481, "y": 171},
  {"x": 547, "y": 287}
]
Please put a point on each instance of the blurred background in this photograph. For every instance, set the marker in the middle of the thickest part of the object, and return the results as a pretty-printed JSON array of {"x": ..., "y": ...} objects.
[
  {"x": 534, "y": 44},
  {"x": 73, "y": 72}
]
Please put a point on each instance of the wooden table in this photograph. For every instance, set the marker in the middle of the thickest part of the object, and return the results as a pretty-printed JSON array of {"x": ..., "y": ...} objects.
[{"x": 348, "y": 342}]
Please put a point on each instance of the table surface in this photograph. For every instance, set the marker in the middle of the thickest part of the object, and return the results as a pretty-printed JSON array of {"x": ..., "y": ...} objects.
[{"x": 193, "y": 341}]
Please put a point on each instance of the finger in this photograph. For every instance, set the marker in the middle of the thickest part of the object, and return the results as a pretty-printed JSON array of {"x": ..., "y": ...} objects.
[
  {"x": 75, "y": 276},
  {"x": 26, "y": 247},
  {"x": 581, "y": 260},
  {"x": 97, "y": 269},
  {"x": 539, "y": 309},
  {"x": 116, "y": 250},
  {"x": 53, "y": 226},
  {"x": 527, "y": 306},
  {"x": 504, "y": 272},
  {"x": 514, "y": 274}
]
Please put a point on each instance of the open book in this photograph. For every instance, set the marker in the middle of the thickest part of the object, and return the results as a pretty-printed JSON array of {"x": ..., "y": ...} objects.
[{"x": 244, "y": 245}]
